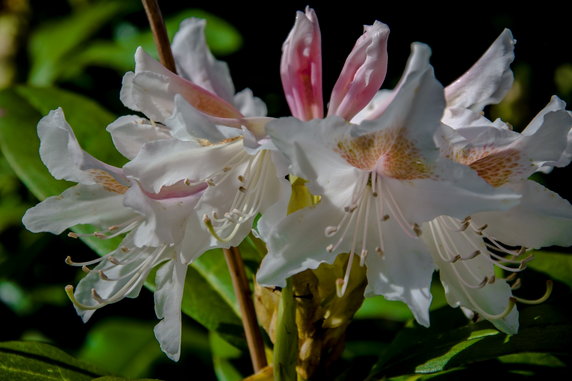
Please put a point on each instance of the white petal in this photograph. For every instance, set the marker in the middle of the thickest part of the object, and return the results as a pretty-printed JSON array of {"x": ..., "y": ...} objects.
[
  {"x": 309, "y": 146},
  {"x": 196, "y": 63},
  {"x": 298, "y": 243},
  {"x": 130, "y": 132},
  {"x": 488, "y": 80},
  {"x": 81, "y": 204},
  {"x": 403, "y": 272},
  {"x": 167, "y": 162},
  {"x": 458, "y": 191},
  {"x": 462, "y": 277},
  {"x": 541, "y": 219},
  {"x": 170, "y": 282},
  {"x": 62, "y": 154},
  {"x": 249, "y": 105}
]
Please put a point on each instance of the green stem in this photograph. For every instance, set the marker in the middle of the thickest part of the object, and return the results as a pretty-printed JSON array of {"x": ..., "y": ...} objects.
[{"x": 286, "y": 342}]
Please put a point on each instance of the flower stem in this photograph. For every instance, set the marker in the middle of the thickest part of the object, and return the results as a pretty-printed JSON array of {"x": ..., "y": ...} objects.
[
  {"x": 249, "y": 321},
  {"x": 159, "y": 34}
]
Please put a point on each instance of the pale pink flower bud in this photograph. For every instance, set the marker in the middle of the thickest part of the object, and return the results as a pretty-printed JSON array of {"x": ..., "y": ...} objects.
[
  {"x": 362, "y": 74},
  {"x": 301, "y": 67}
]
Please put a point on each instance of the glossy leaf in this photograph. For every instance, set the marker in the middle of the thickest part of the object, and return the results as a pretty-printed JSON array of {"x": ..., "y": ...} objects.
[
  {"x": 450, "y": 346},
  {"x": 30, "y": 361},
  {"x": 22, "y": 107},
  {"x": 557, "y": 265}
]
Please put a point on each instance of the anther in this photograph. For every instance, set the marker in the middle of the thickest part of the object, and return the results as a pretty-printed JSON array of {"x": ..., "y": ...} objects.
[
  {"x": 417, "y": 230},
  {"x": 113, "y": 260},
  {"x": 330, "y": 231},
  {"x": 210, "y": 183},
  {"x": 226, "y": 169},
  {"x": 330, "y": 248},
  {"x": 99, "y": 235},
  {"x": 455, "y": 258},
  {"x": 242, "y": 189},
  {"x": 385, "y": 217},
  {"x": 187, "y": 182},
  {"x": 124, "y": 249},
  {"x": 96, "y": 296},
  {"x": 85, "y": 269},
  {"x": 517, "y": 283},
  {"x": 102, "y": 275},
  {"x": 340, "y": 287},
  {"x": 362, "y": 257},
  {"x": 73, "y": 235},
  {"x": 374, "y": 194},
  {"x": 69, "y": 261},
  {"x": 241, "y": 178},
  {"x": 492, "y": 279},
  {"x": 379, "y": 251}
]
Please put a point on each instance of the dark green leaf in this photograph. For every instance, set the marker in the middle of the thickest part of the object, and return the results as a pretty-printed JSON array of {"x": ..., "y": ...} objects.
[
  {"x": 557, "y": 265},
  {"x": 222, "y": 39},
  {"x": 22, "y": 107},
  {"x": 23, "y": 361},
  {"x": 52, "y": 44},
  {"x": 139, "y": 348},
  {"x": 544, "y": 329},
  {"x": 204, "y": 303}
]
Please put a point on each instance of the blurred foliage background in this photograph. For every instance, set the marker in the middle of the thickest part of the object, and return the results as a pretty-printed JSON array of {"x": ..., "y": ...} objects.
[{"x": 85, "y": 46}]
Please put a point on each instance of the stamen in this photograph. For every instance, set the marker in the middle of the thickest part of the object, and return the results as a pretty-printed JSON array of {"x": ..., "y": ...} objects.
[
  {"x": 340, "y": 287},
  {"x": 379, "y": 251},
  {"x": 362, "y": 257},
  {"x": 516, "y": 285},
  {"x": 330, "y": 231},
  {"x": 417, "y": 230},
  {"x": 542, "y": 299},
  {"x": 85, "y": 269}
]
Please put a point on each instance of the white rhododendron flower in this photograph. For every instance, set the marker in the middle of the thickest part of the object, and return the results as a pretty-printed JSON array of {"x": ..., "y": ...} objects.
[
  {"x": 160, "y": 227},
  {"x": 378, "y": 179}
]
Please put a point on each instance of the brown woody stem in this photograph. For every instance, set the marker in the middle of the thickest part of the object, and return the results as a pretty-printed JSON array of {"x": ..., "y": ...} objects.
[
  {"x": 249, "y": 320},
  {"x": 159, "y": 34}
]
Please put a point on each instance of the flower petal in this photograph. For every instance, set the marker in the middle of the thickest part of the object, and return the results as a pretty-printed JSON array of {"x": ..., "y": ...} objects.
[
  {"x": 541, "y": 219},
  {"x": 488, "y": 80},
  {"x": 301, "y": 67},
  {"x": 297, "y": 243},
  {"x": 62, "y": 154},
  {"x": 130, "y": 133},
  {"x": 81, "y": 204},
  {"x": 463, "y": 278},
  {"x": 169, "y": 281},
  {"x": 403, "y": 272},
  {"x": 362, "y": 74},
  {"x": 196, "y": 63}
]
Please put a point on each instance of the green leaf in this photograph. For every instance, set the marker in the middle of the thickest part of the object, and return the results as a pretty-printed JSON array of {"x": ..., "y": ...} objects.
[
  {"x": 23, "y": 361},
  {"x": 222, "y": 39},
  {"x": 557, "y": 265},
  {"x": 448, "y": 346},
  {"x": 139, "y": 348},
  {"x": 52, "y": 44},
  {"x": 204, "y": 303},
  {"x": 21, "y": 108},
  {"x": 223, "y": 353}
]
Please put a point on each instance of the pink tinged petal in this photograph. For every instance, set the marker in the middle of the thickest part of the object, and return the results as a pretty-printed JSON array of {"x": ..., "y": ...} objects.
[
  {"x": 417, "y": 61},
  {"x": 195, "y": 62},
  {"x": 130, "y": 133},
  {"x": 541, "y": 219},
  {"x": 362, "y": 74},
  {"x": 403, "y": 271},
  {"x": 469, "y": 280},
  {"x": 400, "y": 143},
  {"x": 62, "y": 154},
  {"x": 170, "y": 281},
  {"x": 301, "y": 67},
  {"x": 81, "y": 204},
  {"x": 152, "y": 91},
  {"x": 502, "y": 156},
  {"x": 488, "y": 80},
  {"x": 164, "y": 213}
]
